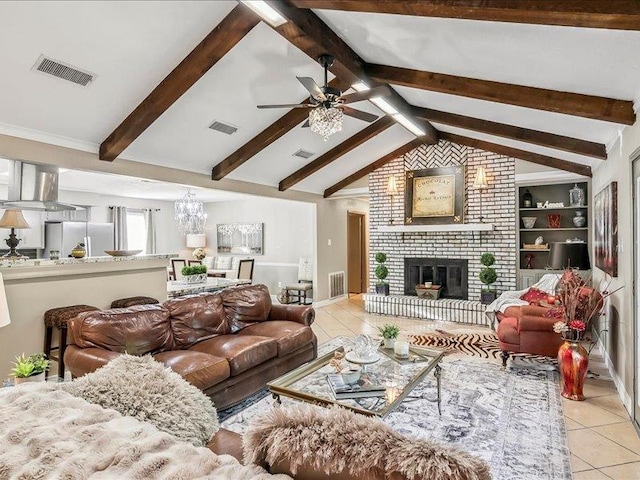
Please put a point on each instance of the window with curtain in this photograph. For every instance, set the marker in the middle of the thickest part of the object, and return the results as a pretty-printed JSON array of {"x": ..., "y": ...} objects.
[{"x": 136, "y": 230}]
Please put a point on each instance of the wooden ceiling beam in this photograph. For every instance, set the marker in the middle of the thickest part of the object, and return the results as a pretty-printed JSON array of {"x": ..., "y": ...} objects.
[
  {"x": 610, "y": 14},
  {"x": 565, "y": 165},
  {"x": 269, "y": 135},
  {"x": 381, "y": 162},
  {"x": 338, "y": 151},
  {"x": 544, "y": 139},
  {"x": 205, "y": 55},
  {"x": 305, "y": 30},
  {"x": 576, "y": 104}
]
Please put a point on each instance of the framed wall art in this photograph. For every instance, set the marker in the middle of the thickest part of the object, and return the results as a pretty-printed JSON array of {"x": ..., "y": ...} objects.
[
  {"x": 605, "y": 214},
  {"x": 243, "y": 238},
  {"x": 434, "y": 196}
]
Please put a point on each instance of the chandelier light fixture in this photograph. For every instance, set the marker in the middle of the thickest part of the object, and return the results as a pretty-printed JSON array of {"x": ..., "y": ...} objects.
[
  {"x": 325, "y": 121},
  {"x": 190, "y": 215}
]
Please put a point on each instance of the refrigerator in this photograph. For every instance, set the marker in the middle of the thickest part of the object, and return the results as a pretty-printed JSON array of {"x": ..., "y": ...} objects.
[{"x": 63, "y": 236}]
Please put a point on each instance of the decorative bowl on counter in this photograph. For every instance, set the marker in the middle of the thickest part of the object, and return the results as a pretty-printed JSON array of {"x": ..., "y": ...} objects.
[
  {"x": 122, "y": 253},
  {"x": 529, "y": 222}
]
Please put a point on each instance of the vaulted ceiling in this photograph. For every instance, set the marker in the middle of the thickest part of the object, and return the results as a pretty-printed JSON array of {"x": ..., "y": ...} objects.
[{"x": 549, "y": 82}]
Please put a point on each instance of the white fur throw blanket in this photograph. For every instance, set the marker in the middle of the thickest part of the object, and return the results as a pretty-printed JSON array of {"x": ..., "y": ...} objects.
[
  {"x": 46, "y": 433},
  {"x": 145, "y": 389},
  {"x": 336, "y": 440}
]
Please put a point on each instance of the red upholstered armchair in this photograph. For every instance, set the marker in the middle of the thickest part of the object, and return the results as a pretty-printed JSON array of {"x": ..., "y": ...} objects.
[{"x": 528, "y": 334}]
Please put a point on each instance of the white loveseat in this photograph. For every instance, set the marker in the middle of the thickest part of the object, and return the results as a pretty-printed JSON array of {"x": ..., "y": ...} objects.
[{"x": 222, "y": 264}]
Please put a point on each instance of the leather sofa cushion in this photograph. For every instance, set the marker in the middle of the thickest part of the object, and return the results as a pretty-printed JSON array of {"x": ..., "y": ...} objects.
[
  {"x": 245, "y": 305},
  {"x": 199, "y": 369},
  {"x": 508, "y": 331},
  {"x": 241, "y": 351},
  {"x": 196, "y": 317},
  {"x": 290, "y": 336},
  {"x": 135, "y": 330}
]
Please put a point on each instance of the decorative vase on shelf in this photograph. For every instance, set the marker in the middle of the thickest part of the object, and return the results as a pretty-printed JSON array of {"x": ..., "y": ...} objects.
[
  {"x": 576, "y": 196},
  {"x": 579, "y": 220},
  {"x": 527, "y": 199},
  {"x": 573, "y": 360},
  {"x": 79, "y": 251}
]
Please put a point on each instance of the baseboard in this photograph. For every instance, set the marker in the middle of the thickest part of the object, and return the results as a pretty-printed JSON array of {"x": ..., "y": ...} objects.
[
  {"x": 324, "y": 303},
  {"x": 617, "y": 381}
]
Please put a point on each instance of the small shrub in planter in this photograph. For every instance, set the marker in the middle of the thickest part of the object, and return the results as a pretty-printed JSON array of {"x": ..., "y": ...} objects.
[
  {"x": 389, "y": 332},
  {"x": 194, "y": 273},
  {"x": 381, "y": 272},
  {"x": 487, "y": 276},
  {"x": 31, "y": 368}
]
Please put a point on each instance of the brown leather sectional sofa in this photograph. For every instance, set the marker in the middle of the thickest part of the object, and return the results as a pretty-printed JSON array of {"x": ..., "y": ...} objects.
[{"x": 227, "y": 343}]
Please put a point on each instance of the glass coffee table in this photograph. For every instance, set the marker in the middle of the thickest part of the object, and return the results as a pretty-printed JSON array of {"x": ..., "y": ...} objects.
[{"x": 308, "y": 382}]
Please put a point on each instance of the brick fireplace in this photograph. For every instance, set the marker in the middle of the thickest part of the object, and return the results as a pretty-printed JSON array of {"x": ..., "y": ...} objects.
[{"x": 498, "y": 208}]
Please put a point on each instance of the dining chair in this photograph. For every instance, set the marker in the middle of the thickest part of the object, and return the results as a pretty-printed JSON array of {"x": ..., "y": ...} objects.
[
  {"x": 194, "y": 262},
  {"x": 176, "y": 267},
  {"x": 245, "y": 269}
]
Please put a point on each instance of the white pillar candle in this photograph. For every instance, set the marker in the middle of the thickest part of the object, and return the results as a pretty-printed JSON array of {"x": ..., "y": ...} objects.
[{"x": 401, "y": 348}]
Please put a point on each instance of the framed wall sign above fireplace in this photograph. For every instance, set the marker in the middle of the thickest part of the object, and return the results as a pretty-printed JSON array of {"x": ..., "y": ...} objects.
[{"x": 434, "y": 195}]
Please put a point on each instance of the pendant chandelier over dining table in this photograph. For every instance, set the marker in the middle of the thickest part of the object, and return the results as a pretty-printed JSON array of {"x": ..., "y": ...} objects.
[{"x": 190, "y": 214}]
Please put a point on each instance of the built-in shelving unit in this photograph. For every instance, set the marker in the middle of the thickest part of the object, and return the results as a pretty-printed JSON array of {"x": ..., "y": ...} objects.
[{"x": 552, "y": 193}]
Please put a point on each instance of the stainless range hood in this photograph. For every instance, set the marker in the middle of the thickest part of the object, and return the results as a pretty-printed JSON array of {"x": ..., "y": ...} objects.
[{"x": 34, "y": 187}]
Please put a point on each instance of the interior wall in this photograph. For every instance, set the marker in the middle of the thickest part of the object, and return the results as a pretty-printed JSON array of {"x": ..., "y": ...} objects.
[
  {"x": 619, "y": 314},
  {"x": 332, "y": 240},
  {"x": 289, "y": 229}
]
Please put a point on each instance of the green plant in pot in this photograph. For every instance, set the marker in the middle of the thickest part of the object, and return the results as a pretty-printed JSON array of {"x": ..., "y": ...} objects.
[
  {"x": 487, "y": 276},
  {"x": 389, "y": 332},
  {"x": 194, "y": 273},
  {"x": 381, "y": 272},
  {"x": 31, "y": 368}
]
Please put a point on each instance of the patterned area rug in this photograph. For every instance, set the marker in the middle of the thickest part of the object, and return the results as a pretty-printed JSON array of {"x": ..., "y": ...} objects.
[
  {"x": 512, "y": 418},
  {"x": 482, "y": 345}
]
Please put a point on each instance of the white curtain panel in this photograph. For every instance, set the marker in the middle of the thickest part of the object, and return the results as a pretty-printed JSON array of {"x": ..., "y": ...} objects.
[
  {"x": 120, "y": 228},
  {"x": 5, "y": 319},
  {"x": 150, "y": 216}
]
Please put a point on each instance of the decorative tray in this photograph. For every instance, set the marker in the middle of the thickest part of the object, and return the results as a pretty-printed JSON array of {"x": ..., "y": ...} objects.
[
  {"x": 533, "y": 246},
  {"x": 122, "y": 253}
]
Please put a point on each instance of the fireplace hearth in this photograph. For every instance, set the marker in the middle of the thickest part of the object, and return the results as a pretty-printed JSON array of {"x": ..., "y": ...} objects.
[{"x": 450, "y": 273}]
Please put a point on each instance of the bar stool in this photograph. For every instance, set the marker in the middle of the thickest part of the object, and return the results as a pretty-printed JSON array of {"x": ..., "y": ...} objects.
[
  {"x": 58, "y": 318},
  {"x": 131, "y": 301}
]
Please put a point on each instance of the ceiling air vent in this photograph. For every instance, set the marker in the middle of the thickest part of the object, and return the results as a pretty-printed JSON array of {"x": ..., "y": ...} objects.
[
  {"x": 65, "y": 72},
  {"x": 223, "y": 127},
  {"x": 303, "y": 154}
]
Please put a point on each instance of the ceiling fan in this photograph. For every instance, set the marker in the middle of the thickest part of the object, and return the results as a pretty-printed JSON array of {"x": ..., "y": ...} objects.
[{"x": 328, "y": 105}]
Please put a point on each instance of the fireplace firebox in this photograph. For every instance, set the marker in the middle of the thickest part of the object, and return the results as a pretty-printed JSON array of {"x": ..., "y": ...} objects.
[{"x": 451, "y": 274}]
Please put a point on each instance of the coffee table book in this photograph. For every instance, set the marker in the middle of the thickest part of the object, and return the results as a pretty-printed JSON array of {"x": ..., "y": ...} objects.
[{"x": 363, "y": 388}]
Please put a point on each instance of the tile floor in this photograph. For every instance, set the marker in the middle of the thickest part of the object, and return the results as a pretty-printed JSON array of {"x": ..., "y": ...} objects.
[{"x": 603, "y": 442}]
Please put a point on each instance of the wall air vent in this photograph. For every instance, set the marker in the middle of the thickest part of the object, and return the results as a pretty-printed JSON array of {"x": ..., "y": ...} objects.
[
  {"x": 303, "y": 154},
  {"x": 63, "y": 71},
  {"x": 223, "y": 127}
]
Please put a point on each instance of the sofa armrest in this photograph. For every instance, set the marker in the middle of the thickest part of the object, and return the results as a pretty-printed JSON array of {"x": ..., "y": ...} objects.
[
  {"x": 81, "y": 361},
  {"x": 293, "y": 313},
  {"x": 534, "y": 323}
]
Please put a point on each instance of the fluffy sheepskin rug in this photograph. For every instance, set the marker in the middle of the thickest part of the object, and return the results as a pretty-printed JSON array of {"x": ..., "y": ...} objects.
[
  {"x": 145, "y": 389},
  {"x": 334, "y": 440},
  {"x": 47, "y": 433}
]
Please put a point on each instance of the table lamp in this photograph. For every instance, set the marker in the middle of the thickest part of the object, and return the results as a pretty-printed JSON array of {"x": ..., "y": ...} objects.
[
  {"x": 13, "y": 219},
  {"x": 569, "y": 255}
]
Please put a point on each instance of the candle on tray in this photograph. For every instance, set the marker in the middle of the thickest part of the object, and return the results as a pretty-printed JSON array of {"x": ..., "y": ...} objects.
[{"x": 401, "y": 348}]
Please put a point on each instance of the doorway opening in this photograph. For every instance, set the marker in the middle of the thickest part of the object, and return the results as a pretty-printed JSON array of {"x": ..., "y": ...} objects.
[{"x": 356, "y": 252}]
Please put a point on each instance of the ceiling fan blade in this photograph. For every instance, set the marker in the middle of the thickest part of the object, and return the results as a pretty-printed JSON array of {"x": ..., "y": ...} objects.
[
  {"x": 311, "y": 85},
  {"x": 288, "y": 105},
  {"x": 359, "y": 114},
  {"x": 381, "y": 91},
  {"x": 306, "y": 124}
]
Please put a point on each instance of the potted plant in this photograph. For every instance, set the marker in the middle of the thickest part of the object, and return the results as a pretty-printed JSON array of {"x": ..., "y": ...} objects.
[
  {"x": 389, "y": 332},
  {"x": 194, "y": 274},
  {"x": 487, "y": 276},
  {"x": 381, "y": 272},
  {"x": 31, "y": 368}
]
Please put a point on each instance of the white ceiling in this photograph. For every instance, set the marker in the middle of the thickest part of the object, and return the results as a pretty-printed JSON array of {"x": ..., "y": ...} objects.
[{"x": 132, "y": 46}]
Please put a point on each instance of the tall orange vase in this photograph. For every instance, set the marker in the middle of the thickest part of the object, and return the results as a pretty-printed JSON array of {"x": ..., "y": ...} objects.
[{"x": 573, "y": 360}]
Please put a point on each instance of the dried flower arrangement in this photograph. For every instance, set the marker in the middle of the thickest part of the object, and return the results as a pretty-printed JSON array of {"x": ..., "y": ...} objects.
[{"x": 580, "y": 305}]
